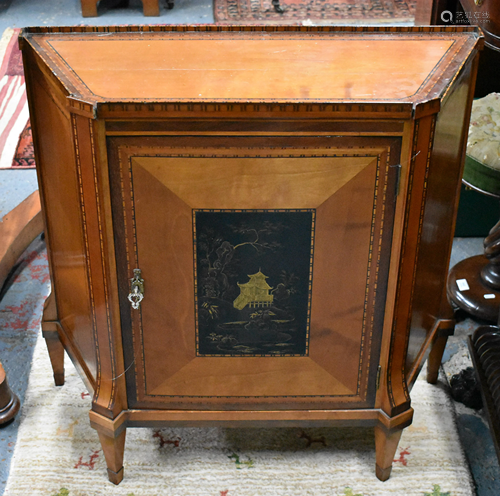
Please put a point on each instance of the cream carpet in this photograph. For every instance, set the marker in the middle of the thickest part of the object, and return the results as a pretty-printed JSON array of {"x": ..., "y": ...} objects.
[{"x": 58, "y": 454}]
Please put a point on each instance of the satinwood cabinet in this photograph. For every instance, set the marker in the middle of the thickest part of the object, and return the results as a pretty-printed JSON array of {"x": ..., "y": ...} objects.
[{"x": 249, "y": 226}]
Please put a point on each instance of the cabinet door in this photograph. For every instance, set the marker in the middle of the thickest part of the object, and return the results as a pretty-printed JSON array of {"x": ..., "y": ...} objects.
[{"x": 265, "y": 263}]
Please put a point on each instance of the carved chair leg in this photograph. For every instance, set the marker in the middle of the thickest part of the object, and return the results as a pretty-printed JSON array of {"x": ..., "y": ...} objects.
[
  {"x": 114, "y": 448},
  {"x": 150, "y": 7},
  {"x": 386, "y": 443},
  {"x": 89, "y": 8},
  {"x": 56, "y": 354}
]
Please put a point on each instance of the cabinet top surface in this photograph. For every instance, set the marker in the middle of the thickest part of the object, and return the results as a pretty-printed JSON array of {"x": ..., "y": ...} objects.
[{"x": 264, "y": 65}]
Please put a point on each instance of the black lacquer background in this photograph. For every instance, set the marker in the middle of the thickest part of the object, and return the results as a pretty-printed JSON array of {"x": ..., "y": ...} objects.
[{"x": 276, "y": 248}]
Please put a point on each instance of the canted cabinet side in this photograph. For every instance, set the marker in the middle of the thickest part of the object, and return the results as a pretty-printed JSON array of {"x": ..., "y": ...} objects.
[
  {"x": 67, "y": 315},
  {"x": 432, "y": 319},
  {"x": 91, "y": 164}
]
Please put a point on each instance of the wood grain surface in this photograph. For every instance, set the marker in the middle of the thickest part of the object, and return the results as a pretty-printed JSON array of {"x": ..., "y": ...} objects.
[{"x": 139, "y": 129}]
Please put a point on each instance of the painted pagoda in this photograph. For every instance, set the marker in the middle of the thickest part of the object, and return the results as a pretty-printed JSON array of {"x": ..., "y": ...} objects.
[{"x": 254, "y": 293}]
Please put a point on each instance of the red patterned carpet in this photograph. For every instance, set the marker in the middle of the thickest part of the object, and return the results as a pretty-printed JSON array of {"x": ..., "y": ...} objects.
[
  {"x": 24, "y": 157},
  {"x": 311, "y": 12},
  {"x": 16, "y": 144},
  {"x": 21, "y": 304}
]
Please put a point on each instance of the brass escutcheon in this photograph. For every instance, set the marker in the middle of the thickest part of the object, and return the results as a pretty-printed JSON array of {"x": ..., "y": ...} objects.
[{"x": 136, "y": 294}]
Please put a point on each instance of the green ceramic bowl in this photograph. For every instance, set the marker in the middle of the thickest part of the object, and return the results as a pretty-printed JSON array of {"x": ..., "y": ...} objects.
[{"x": 481, "y": 176}]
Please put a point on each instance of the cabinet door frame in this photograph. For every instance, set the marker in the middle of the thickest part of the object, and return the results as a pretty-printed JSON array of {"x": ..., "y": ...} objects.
[{"x": 386, "y": 150}]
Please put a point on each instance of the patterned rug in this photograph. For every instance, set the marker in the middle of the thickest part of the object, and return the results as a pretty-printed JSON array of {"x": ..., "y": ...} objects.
[
  {"x": 314, "y": 12},
  {"x": 58, "y": 454},
  {"x": 21, "y": 304},
  {"x": 16, "y": 144}
]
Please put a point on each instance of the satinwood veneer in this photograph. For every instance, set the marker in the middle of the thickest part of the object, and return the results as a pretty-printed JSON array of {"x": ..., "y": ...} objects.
[{"x": 249, "y": 226}]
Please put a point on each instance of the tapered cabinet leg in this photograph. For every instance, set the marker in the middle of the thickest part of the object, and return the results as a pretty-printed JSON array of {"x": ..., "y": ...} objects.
[
  {"x": 56, "y": 354},
  {"x": 150, "y": 7},
  {"x": 113, "y": 448},
  {"x": 386, "y": 443},
  {"x": 435, "y": 358},
  {"x": 89, "y": 8}
]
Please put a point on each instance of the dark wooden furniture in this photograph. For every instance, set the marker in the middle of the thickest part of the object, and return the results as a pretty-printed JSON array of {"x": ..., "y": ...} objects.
[
  {"x": 474, "y": 283},
  {"x": 150, "y": 7},
  {"x": 486, "y": 14},
  {"x": 483, "y": 271},
  {"x": 254, "y": 229},
  {"x": 484, "y": 344},
  {"x": 484, "y": 347}
]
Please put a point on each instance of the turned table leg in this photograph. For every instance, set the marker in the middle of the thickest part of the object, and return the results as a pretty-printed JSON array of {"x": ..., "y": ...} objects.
[
  {"x": 151, "y": 7},
  {"x": 386, "y": 443},
  {"x": 474, "y": 283},
  {"x": 9, "y": 402},
  {"x": 89, "y": 8},
  {"x": 114, "y": 448}
]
